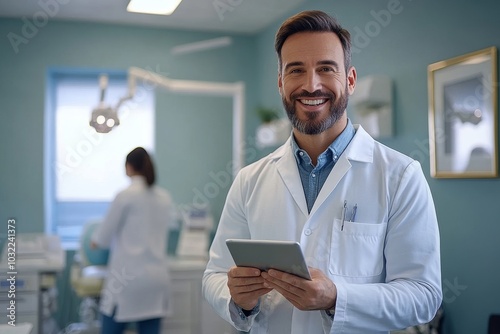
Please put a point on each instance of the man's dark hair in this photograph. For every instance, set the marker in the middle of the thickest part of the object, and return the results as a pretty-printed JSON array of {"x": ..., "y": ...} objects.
[{"x": 313, "y": 21}]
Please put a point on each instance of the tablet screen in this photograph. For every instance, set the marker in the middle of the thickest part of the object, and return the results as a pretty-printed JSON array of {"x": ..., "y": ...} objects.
[{"x": 285, "y": 256}]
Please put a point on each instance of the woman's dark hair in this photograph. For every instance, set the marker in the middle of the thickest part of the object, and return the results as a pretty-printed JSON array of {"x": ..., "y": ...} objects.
[
  {"x": 313, "y": 21},
  {"x": 141, "y": 162}
]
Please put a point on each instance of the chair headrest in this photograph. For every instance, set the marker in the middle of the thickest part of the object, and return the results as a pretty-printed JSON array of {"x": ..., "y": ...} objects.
[{"x": 89, "y": 256}]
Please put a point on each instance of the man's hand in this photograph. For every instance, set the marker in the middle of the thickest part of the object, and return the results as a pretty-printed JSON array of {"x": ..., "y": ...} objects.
[
  {"x": 318, "y": 294},
  {"x": 246, "y": 285}
]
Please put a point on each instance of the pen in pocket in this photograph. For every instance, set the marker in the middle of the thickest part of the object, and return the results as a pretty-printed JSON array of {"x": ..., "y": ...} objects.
[
  {"x": 344, "y": 212},
  {"x": 354, "y": 210},
  {"x": 344, "y": 209}
]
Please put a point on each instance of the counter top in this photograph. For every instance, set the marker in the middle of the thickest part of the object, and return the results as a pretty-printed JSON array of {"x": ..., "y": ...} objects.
[{"x": 33, "y": 252}]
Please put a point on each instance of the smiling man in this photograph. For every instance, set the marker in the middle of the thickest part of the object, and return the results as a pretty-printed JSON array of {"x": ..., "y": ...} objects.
[
  {"x": 314, "y": 85},
  {"x": 362, "y": 212}
]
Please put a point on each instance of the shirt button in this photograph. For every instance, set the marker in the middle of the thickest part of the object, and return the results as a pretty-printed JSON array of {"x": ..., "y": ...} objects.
[
  {"x": 314, "y": 175},
  {"x": 335, "y": 157},
  {"x": 307, "y": 232},
  {"x": 301, "y": 154}
]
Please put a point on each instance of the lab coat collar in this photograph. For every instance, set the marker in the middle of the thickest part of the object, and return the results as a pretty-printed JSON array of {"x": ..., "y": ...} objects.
[
  {"x": 361, "y": 146},
  {"x": 286, "y": 165},
  {"x": 359, "y": 149},
  {"x": 137, "y": 180}
]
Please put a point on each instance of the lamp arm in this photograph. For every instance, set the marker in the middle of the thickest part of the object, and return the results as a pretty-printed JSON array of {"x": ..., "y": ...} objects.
[
  {"x": 235, "y": 90},
  {"x": 174, "y": 85},
  {"x": 103, "y": 84},
  {"x": 122, "y": 100}
]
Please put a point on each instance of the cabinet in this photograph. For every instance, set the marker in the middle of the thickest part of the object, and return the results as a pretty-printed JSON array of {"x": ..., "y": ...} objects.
[
  {"x": 19, "y": 299},
  {"x": 38, "y": 258},
  {"x": 191, "y": 314}
]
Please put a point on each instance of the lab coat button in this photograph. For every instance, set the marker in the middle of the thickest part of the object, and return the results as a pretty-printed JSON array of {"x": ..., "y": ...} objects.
[{"x": 308, "y": 232}]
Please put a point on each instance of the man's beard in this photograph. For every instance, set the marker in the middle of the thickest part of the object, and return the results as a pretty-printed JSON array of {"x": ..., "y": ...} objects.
[{"x": 310, "y": 126}]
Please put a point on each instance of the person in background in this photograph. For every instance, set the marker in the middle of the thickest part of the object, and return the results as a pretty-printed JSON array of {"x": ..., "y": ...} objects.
[
  {"x": 362, "y": 212},
  {"x": 135, "y": 230}
]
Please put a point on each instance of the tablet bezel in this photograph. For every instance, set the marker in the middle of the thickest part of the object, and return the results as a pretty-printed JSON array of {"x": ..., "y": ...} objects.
[{"x": 281, "y": 255}]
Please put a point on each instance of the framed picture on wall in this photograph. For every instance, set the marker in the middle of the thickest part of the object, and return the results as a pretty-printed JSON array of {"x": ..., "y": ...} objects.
[{"x": 463, "y": 116}]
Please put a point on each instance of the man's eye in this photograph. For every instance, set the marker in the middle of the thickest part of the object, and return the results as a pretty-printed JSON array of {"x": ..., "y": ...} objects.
[{"x": 327, "y": 69}]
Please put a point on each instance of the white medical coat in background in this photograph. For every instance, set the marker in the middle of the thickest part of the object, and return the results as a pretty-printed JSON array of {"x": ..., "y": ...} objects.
[
  {"x": 385, "y": 263},
  {"x": 135, "y": 230}
]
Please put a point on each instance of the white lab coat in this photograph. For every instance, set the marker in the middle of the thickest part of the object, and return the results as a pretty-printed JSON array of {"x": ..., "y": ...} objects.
[
  {"x": 135, "y": 229},
  {"x": 385, "y": 263}
]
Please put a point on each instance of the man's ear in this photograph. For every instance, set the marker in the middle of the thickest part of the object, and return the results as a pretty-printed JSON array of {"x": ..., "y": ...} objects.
[{"x": 351, "y": 80}]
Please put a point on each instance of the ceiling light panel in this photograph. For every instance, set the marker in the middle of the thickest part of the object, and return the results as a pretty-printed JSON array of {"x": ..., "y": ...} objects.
[{"x": 158, "y": 7}]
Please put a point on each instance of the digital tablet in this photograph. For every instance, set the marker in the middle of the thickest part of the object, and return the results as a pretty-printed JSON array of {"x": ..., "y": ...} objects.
[{"x": 269, "y": 254}]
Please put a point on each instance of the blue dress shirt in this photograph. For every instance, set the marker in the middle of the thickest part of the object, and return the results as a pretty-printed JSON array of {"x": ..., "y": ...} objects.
[{"x": 313, "y": 177}]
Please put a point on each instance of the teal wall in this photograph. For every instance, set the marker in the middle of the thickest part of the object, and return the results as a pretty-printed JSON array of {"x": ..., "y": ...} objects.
[
  {"x": 424, "y": 32},
  {"x": 193, "y": 132},
  {"x": 189, "y": 128}
]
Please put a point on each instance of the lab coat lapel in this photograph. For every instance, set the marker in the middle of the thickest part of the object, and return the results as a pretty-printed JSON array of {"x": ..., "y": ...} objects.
[
  {"x": 360, "y": 149},
  {"x": 337, "y": 173},
  {"x": 289, "y": 172}
]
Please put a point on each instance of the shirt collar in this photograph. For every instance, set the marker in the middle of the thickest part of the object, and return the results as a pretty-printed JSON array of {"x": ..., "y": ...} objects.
[{"x": 333, "y": 151}]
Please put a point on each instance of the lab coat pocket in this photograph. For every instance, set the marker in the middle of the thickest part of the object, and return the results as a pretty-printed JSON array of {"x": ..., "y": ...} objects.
[{"x": 357, "y": 249}]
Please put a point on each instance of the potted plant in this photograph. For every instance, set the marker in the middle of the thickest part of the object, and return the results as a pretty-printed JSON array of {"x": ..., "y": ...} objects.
[
  {"x": 267, "y": 115},
  {"x": 274, "y": 129}
]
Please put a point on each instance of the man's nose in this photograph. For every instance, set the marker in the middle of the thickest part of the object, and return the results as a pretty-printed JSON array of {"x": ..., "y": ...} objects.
[{"x": 312, "y": 82}]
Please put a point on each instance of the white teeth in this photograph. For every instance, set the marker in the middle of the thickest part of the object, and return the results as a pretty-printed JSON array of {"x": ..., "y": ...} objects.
[{"x": 313, "y": 102}]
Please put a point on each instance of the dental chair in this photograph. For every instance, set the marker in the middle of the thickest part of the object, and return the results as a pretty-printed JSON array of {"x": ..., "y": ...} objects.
[{"x": 87, "y": 277}]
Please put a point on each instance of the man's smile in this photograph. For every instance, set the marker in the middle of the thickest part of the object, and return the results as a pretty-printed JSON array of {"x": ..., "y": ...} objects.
[{"x": 312, "y": 102}]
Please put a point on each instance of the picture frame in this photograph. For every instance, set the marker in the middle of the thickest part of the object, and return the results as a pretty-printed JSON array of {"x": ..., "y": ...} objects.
[{"x": 463, "y": 116}]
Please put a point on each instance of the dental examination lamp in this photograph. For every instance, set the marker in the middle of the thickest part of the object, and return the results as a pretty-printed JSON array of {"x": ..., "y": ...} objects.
[{"x": 105, "y": 118}]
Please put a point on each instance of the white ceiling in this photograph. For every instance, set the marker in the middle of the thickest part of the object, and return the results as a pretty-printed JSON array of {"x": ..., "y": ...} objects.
[{"x": 229, "y": 16}]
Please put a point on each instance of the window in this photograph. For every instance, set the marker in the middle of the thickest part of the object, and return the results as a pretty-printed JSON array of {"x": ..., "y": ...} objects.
[{"x": 85, "y": 169}]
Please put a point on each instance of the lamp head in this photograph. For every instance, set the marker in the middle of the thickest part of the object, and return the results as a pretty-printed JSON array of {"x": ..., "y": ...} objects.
[{"x": 104, "y": 119}]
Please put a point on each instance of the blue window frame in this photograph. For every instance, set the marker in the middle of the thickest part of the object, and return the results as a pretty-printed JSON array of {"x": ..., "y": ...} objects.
[{"x": 84, "y": 169}]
